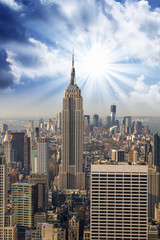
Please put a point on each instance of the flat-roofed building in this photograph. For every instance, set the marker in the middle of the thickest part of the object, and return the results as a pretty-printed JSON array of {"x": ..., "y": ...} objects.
[{"x": 119, "y": 201}]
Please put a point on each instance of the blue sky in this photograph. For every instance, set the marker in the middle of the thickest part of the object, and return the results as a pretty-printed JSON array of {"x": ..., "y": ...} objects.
[{"x": 117, "y": 55}]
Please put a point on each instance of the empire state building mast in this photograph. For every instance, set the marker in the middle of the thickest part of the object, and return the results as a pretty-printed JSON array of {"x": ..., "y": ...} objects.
[{"x": 71, "y": 174}]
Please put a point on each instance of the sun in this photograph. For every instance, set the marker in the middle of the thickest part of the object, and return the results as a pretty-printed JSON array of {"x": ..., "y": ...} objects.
[{"x": 96, "y": 61}]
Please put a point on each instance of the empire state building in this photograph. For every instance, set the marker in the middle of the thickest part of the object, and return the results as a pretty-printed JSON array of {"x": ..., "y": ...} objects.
[{"x": 71, "y": 171}]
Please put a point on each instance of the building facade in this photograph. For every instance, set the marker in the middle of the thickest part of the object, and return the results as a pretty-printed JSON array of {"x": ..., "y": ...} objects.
[
  {"x": 71, "y": 173},
  {"x": 119, "y": 201}
]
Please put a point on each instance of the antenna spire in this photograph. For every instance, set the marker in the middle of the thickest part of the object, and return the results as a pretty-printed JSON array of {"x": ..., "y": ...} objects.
[{"x": 72, "y": 82}]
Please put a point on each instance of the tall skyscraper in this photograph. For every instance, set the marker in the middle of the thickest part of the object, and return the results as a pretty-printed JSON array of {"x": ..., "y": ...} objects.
[
  {"x": 71, "y": 173},
  {"x": 8, "y": 229},
  {"x": 119, "y": 201},
  {"x": 113, "y": 115}
]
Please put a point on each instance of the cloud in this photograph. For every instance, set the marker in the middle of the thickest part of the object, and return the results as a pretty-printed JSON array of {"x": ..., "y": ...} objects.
[
  {"x": 144, "y": 93},
  {"x": 6, "y": 75},
  {"x": 11, "y": 3}
]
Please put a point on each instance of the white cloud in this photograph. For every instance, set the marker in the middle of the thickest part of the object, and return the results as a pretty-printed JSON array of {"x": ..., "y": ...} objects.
[{"x": 11, "y": 3}]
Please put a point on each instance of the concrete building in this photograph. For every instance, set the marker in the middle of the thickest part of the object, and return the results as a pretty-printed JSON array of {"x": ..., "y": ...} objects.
[
  {"x": 71, "y": 174},
  {"x": 8, "y": 229},
  {"x": 73, "y": 228},
  {"x": 119, "y": 201}
]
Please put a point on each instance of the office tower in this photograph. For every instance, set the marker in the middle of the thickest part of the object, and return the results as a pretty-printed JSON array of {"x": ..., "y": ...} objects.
[
  {"x": 113, "y": 115},
  {"x": 27, "y": 154},
  {"x": 119, "y": 201},
  {"x": 24, "y": 204},
  {"x": 127, "y": 124},
  {"x": 30, "y": 130},
  {"x": 71, "y": 173},
  {"x": 41, "y": 162},
  {"x": 152, "y": 231},
  {"x": 156, "y": 151},
  {"x": 42, "y": 181},
  {"x": 148, "y": 150},
  {"x": 108, "y": 122},
  {"x": 59, "y": 120},
  {"x": 118, "y": 155},
  {"x": 153, "y": 190},
  {"x": 17, "y": 140},
  {"x": 95, "y": 120},
  {"x": 73, "y": 228},
  {"x": 8, "y": 229}
]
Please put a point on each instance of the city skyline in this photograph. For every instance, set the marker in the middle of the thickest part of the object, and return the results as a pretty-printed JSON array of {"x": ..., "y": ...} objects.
[{"x": 117, "y": 55}]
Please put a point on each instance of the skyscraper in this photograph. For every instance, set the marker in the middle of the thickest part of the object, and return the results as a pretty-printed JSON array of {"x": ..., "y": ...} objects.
[
  {"x": 119, "y": 201},
  {"x": 17, "y": 140},
  {"x": 113, "y": 114},
  {"x": 71, "y": 173},
  {"x": 41, "y": 162}
]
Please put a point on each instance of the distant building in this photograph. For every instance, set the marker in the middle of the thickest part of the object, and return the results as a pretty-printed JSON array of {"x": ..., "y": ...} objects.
[
  {"x": 4, "y": 128},
  {"x": 95, "y": 120},
  {"x": 17, "y": 140},
  {"x": 156, "y": 151},
  {"x": 157, "y": 212},
  {"x": 108, "y": 122},
  {"x": 41, "y": 162},
  {"x": 119, "y": 201},
  {"x": 118, "y": 155},
  {"x": 86, "y": 235},
  {"x": 153, "y": 190},
  {"x": 113, "y": 115}
]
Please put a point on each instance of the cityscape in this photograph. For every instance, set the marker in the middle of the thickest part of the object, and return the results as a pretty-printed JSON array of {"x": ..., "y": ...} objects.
[{"x": 79, "y": 153}]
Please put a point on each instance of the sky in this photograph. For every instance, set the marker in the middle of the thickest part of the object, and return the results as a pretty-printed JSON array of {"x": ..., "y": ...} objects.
[{"x": 116, "y": 47}]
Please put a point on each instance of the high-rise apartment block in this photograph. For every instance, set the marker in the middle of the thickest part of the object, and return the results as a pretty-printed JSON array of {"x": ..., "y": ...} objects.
[
  {"x": 119, "y": 201},
  {"x": 24, "y": 203},
  {"x": 71, "y": 172}
]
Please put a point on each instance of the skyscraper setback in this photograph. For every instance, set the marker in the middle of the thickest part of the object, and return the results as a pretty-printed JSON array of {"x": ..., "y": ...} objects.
[{"x": 71, "y": 172}]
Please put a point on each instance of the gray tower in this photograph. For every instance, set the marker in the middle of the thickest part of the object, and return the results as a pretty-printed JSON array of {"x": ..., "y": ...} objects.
[{"x": 71, "y": 171}]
